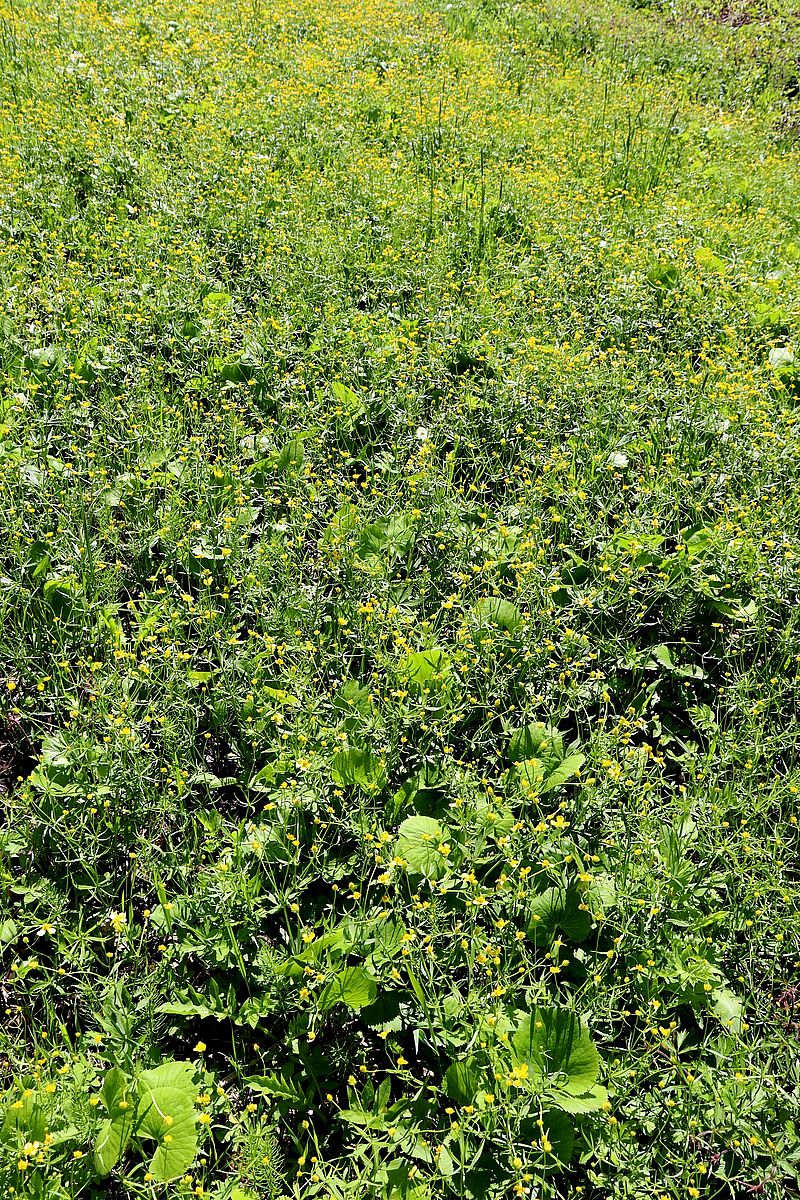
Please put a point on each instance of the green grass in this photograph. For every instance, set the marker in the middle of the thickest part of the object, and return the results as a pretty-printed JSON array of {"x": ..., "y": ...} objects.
[{"x": 399, "y": 646}]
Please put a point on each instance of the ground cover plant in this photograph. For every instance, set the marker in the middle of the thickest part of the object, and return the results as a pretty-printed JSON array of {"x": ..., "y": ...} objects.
[{"x": 399, "y": 640}]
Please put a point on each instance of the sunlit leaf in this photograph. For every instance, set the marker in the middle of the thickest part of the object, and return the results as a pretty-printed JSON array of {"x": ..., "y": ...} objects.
[
  {"x": 557, "y": 912},
  {"x": 354, "y": 987},
  {"x": 422, "y": 842}
]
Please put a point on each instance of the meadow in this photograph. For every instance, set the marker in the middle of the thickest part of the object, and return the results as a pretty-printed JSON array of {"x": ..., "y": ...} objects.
[{"x": 399, "y": 635}]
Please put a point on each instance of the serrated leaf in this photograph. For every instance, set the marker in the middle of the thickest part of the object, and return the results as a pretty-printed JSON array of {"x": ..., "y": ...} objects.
[
  {"x": 279, "y": 1085},
  {"x": 393, "y": 536},
  {"x": 388, "y": 940}
]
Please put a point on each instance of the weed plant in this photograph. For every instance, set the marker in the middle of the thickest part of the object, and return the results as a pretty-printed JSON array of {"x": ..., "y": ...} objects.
[{"x": 399, "y": 612}]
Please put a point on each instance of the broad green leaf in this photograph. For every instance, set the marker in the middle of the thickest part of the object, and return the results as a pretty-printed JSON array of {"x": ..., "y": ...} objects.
[
  {"x": 493, "y": 610},
  {"x": 114, "y": 1133},
  {"x": 589, "y": 1101},
  {"x": 557, "y": 1130},
  {"x": 365, "y": 1120},
  {"x": 565, "y": 770},
  {"x": 290, "y": 455},
  {"x": 558, "y": 1049},
  {"x": 352, "y": 696},
  {"x": 462, "y": 1080},
  {"x": 444, "y": 1163},
  {"x": 29, "y": 1119},
  {"x": 344, "y": 395},
  {"x": 557, "y": 911},
  {"x": 727, "y": 1006},
  {"x": 169, "y": 1074},
  {"x": 281, "y": 1085},
  {"x": 422, "y": 842},
  {"x": 550, "y": 1134},
  {"x": 167, "y": 1116},
  {"x": 529, "y": 774},
  {"x": 496, "y": 818},
  {"x": 358, "y": 768},
  {"x": 112, "y": 1139},
  {"x": 663, "y": 276},
  {"x": 426, "y": 670},
  {"x": 115, "y": 1092},
  {"x": 216, "y": 300},
  {"x": 393, "y": 536},
  {"x": 384, "y": 1014},
  {"x": 736, "y": 608},
  {"x": 538, "y": 741},
  {"x": 388, "y": 940},
  {"x": 8, "y": 931},
  {"x": 709, "y": 260},
  {"x": 354, "y": 987},
  {"x": 601, "y": 894}
]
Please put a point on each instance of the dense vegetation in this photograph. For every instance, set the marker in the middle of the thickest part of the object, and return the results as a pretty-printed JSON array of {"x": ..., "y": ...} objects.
[{"x": 400, "y": 577}]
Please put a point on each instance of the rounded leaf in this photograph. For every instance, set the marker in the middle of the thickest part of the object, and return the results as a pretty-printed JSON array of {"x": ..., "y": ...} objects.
[
  {"x": 557, "y": 911},
  {"x": 354, "y": 987},
  {"x": 494, "y": 611},
  {"x": 422, "y": 842},
  {"x": 538, "y": 741},
  {"x": 558, "y": 1049}
]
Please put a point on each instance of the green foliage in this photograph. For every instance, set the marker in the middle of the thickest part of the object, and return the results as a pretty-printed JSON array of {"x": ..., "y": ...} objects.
[
  {"x": 157, "y": 1106},
  {"x": 562, "y": 1061},
  {"x": 399, "y": 600},
  {"x": 422, "y": 843}
]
